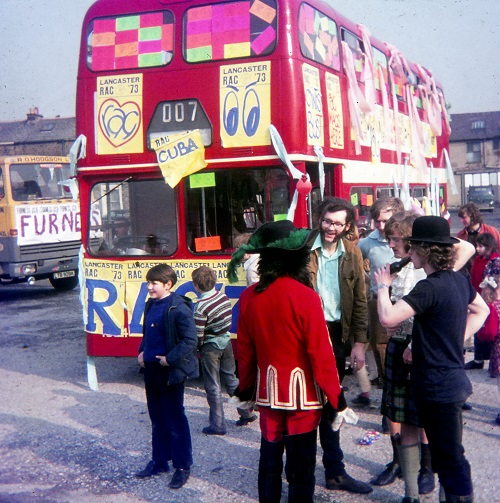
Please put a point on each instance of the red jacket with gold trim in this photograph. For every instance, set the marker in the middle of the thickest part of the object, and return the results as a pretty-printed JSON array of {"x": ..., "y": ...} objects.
[{"x": 284, "y": 350}]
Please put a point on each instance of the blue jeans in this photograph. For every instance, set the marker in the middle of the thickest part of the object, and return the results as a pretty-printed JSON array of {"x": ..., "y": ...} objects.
[
  {"x": 443, "y": 426},
  {"x": 171, "y": 436},
  {"x": 218, "y": 365}
]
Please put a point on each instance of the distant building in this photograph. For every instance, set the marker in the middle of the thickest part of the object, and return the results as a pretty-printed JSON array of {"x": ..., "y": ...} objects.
[
  {"x": 37, "y": 135},
  {"x": 474, "y": 153}
]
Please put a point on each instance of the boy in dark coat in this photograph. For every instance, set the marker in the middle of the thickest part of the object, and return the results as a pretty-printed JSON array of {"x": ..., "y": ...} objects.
[{"x": 168, "y": 355}]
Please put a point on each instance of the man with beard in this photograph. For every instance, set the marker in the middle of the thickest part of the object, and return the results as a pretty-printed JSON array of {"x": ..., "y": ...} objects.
[{"x": 336, "y": 268}]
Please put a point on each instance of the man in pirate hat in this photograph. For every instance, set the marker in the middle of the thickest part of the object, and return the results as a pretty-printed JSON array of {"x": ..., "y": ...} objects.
[
  {"x": 285, "y": 359},
  {"x": 447, "y": 310}
]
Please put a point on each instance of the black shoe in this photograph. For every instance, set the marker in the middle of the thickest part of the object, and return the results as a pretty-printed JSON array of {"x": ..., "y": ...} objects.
[
  {"x": 208, "y": 430},
  {"x": 474, "y": 365},
  {"x": 497, "y": 420},
  {"x": 243, "y": 421},
  {"x": 347, "y": 483},
  {"x": 362, "y": 401},
  {"x": 151, "y": 469},
  {"x": 426, "y": 481},
  {"x": 179, "y": 479},
  {"x": 407, "y": 499},
  {"x": 466, "y": 406},
  {"x": 388, "y": 476}
]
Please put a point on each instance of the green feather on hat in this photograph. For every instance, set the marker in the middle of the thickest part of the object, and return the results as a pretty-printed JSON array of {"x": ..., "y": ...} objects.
[{"x": 281, "y": 235}]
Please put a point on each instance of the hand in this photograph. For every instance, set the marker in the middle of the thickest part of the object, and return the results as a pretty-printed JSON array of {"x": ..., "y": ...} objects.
[
  {"x": 383, "y": 276},
  {"x": 358, "y": 355},
  {"x": 140, "y": 359},
  {"x": 163, "y": 360},
  {"x": 347, "y": 415},
  {"x": 407, "y": 357}
]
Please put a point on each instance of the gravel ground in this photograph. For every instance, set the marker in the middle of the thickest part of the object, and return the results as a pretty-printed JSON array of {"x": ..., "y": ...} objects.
[{"x": 61, "y": 442}]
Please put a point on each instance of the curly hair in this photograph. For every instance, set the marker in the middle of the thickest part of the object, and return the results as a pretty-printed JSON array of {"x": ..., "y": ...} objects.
[
  {"x": 274, "y": 264},
  {"x": 472, "y": 211},
  {"x": 401, "y": 222},
  {"x": 440, "y": 257}
]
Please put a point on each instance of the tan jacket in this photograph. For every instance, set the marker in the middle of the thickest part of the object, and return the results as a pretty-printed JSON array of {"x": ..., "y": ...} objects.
[{"x": 354, "y": 308}]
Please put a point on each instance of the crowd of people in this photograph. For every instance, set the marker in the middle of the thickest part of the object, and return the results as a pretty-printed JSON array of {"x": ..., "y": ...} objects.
[{"x": 316, "y": 303}]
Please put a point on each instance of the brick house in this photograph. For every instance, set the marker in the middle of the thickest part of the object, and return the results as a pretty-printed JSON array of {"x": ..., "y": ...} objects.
[
  {"x": 37, "y": 135},
  {"x": 474, "y": 153}
]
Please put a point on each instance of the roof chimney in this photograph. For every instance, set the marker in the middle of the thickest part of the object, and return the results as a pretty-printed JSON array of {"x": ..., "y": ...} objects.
[{"x": 33, "y": 115}]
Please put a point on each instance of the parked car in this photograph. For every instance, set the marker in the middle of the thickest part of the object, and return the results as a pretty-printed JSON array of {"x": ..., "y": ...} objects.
[{"x": 483, "y": 197}]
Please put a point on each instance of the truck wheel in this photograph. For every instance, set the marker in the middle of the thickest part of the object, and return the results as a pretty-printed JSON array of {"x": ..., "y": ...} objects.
[{"x": 64, "y": 284}]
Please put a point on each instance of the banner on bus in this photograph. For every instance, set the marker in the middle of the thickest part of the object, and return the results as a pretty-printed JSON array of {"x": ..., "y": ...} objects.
[
  {"x": 113, "y": 293},
  {"x": 180, "y": 155}
]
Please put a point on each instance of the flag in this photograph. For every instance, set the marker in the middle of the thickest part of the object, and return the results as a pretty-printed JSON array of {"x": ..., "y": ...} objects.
[{"x": 180, "y": 155}]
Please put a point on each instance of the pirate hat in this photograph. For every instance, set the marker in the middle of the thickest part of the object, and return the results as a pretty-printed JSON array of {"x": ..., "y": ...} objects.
[{"x": 281, "y": 235}]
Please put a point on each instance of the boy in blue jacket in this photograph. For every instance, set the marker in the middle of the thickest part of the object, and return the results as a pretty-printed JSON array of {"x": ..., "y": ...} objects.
[{"x": 168, "y": 355}]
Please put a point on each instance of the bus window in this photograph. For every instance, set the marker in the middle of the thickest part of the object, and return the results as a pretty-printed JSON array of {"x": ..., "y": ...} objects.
[
  {"x": 385, "y": 192},
  {"x": 2, "y": 190},
  {"x": 357, "y": 49},
  {"x": 362, "y": 199},
  {"x": 380, "y": 61},
  {"x": 135, "y": 217},
  {"x": 318, "y": 37},
  {"x": 419, "y": 193},
  {"x": 230, "y": 30},
  {"x": 133, "y": 41},
  {"x": 231, "y": 203},
  {"x": 38, "y": 181}
]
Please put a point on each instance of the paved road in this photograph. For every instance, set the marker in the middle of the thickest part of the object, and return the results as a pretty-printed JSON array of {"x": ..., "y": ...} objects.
[{"x": 61, "y": 442}]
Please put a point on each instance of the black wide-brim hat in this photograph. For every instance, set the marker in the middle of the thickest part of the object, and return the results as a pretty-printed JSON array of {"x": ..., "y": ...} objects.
[
  {"x": 431, "y": 229},
  {"x": 281, "y": 236}
]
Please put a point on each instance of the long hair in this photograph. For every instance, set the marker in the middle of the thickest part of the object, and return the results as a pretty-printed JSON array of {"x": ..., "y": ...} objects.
[
  {"x": 439, "y": 257},
  {"x": 473, "y": 211},
  {"x": 275, "y": 264}
]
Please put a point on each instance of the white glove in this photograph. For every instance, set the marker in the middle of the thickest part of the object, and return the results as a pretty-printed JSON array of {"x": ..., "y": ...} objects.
[{"x": 347, "y": 415}]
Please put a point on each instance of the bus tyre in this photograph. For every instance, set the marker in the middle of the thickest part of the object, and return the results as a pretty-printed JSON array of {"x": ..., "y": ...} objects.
[{"x": 64, "y": 284}]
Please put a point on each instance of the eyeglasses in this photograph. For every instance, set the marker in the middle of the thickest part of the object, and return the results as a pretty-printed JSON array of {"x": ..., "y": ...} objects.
[{"x": 330, "y": 223}]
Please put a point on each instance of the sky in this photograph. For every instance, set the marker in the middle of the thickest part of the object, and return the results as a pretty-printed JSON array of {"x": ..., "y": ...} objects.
[{"x": 458, "y": 40}]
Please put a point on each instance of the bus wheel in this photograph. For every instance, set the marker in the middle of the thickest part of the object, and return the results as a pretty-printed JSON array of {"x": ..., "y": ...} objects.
[{"x": 64, "y": 283}]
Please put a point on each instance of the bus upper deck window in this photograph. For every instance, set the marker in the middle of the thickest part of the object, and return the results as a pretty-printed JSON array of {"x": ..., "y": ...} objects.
[
  {"x": 318, "y": 37},
  {"x": 230, "y": 30},
  {"x": 134, "y": 41}
]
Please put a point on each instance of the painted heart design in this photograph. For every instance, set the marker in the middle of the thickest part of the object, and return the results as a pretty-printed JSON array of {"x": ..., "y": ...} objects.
[{"x": 119, "y": 122}]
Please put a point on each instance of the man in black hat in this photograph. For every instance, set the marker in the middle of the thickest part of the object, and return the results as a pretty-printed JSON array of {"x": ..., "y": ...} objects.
[
  {"x": 337, "y": 273},
  {"x": 285, "y": 359},
  {"x": 447, "y": 310}
]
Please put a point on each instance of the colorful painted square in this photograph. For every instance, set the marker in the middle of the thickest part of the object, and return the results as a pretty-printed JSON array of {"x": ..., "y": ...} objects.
[{"x": 131, "y": 41}]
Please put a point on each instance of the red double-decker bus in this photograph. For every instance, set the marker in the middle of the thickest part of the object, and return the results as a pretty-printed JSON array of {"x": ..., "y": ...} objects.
[{"x": 160, "y": 81}]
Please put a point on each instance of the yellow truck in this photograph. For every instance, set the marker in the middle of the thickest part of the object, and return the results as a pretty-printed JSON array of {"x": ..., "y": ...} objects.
[{"x": 40, "y": 234}]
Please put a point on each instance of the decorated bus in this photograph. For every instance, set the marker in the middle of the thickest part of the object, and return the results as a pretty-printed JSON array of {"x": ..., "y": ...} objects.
[
  {"x": 39, "y": 221},
  {"x": 202, "y": 120}
]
